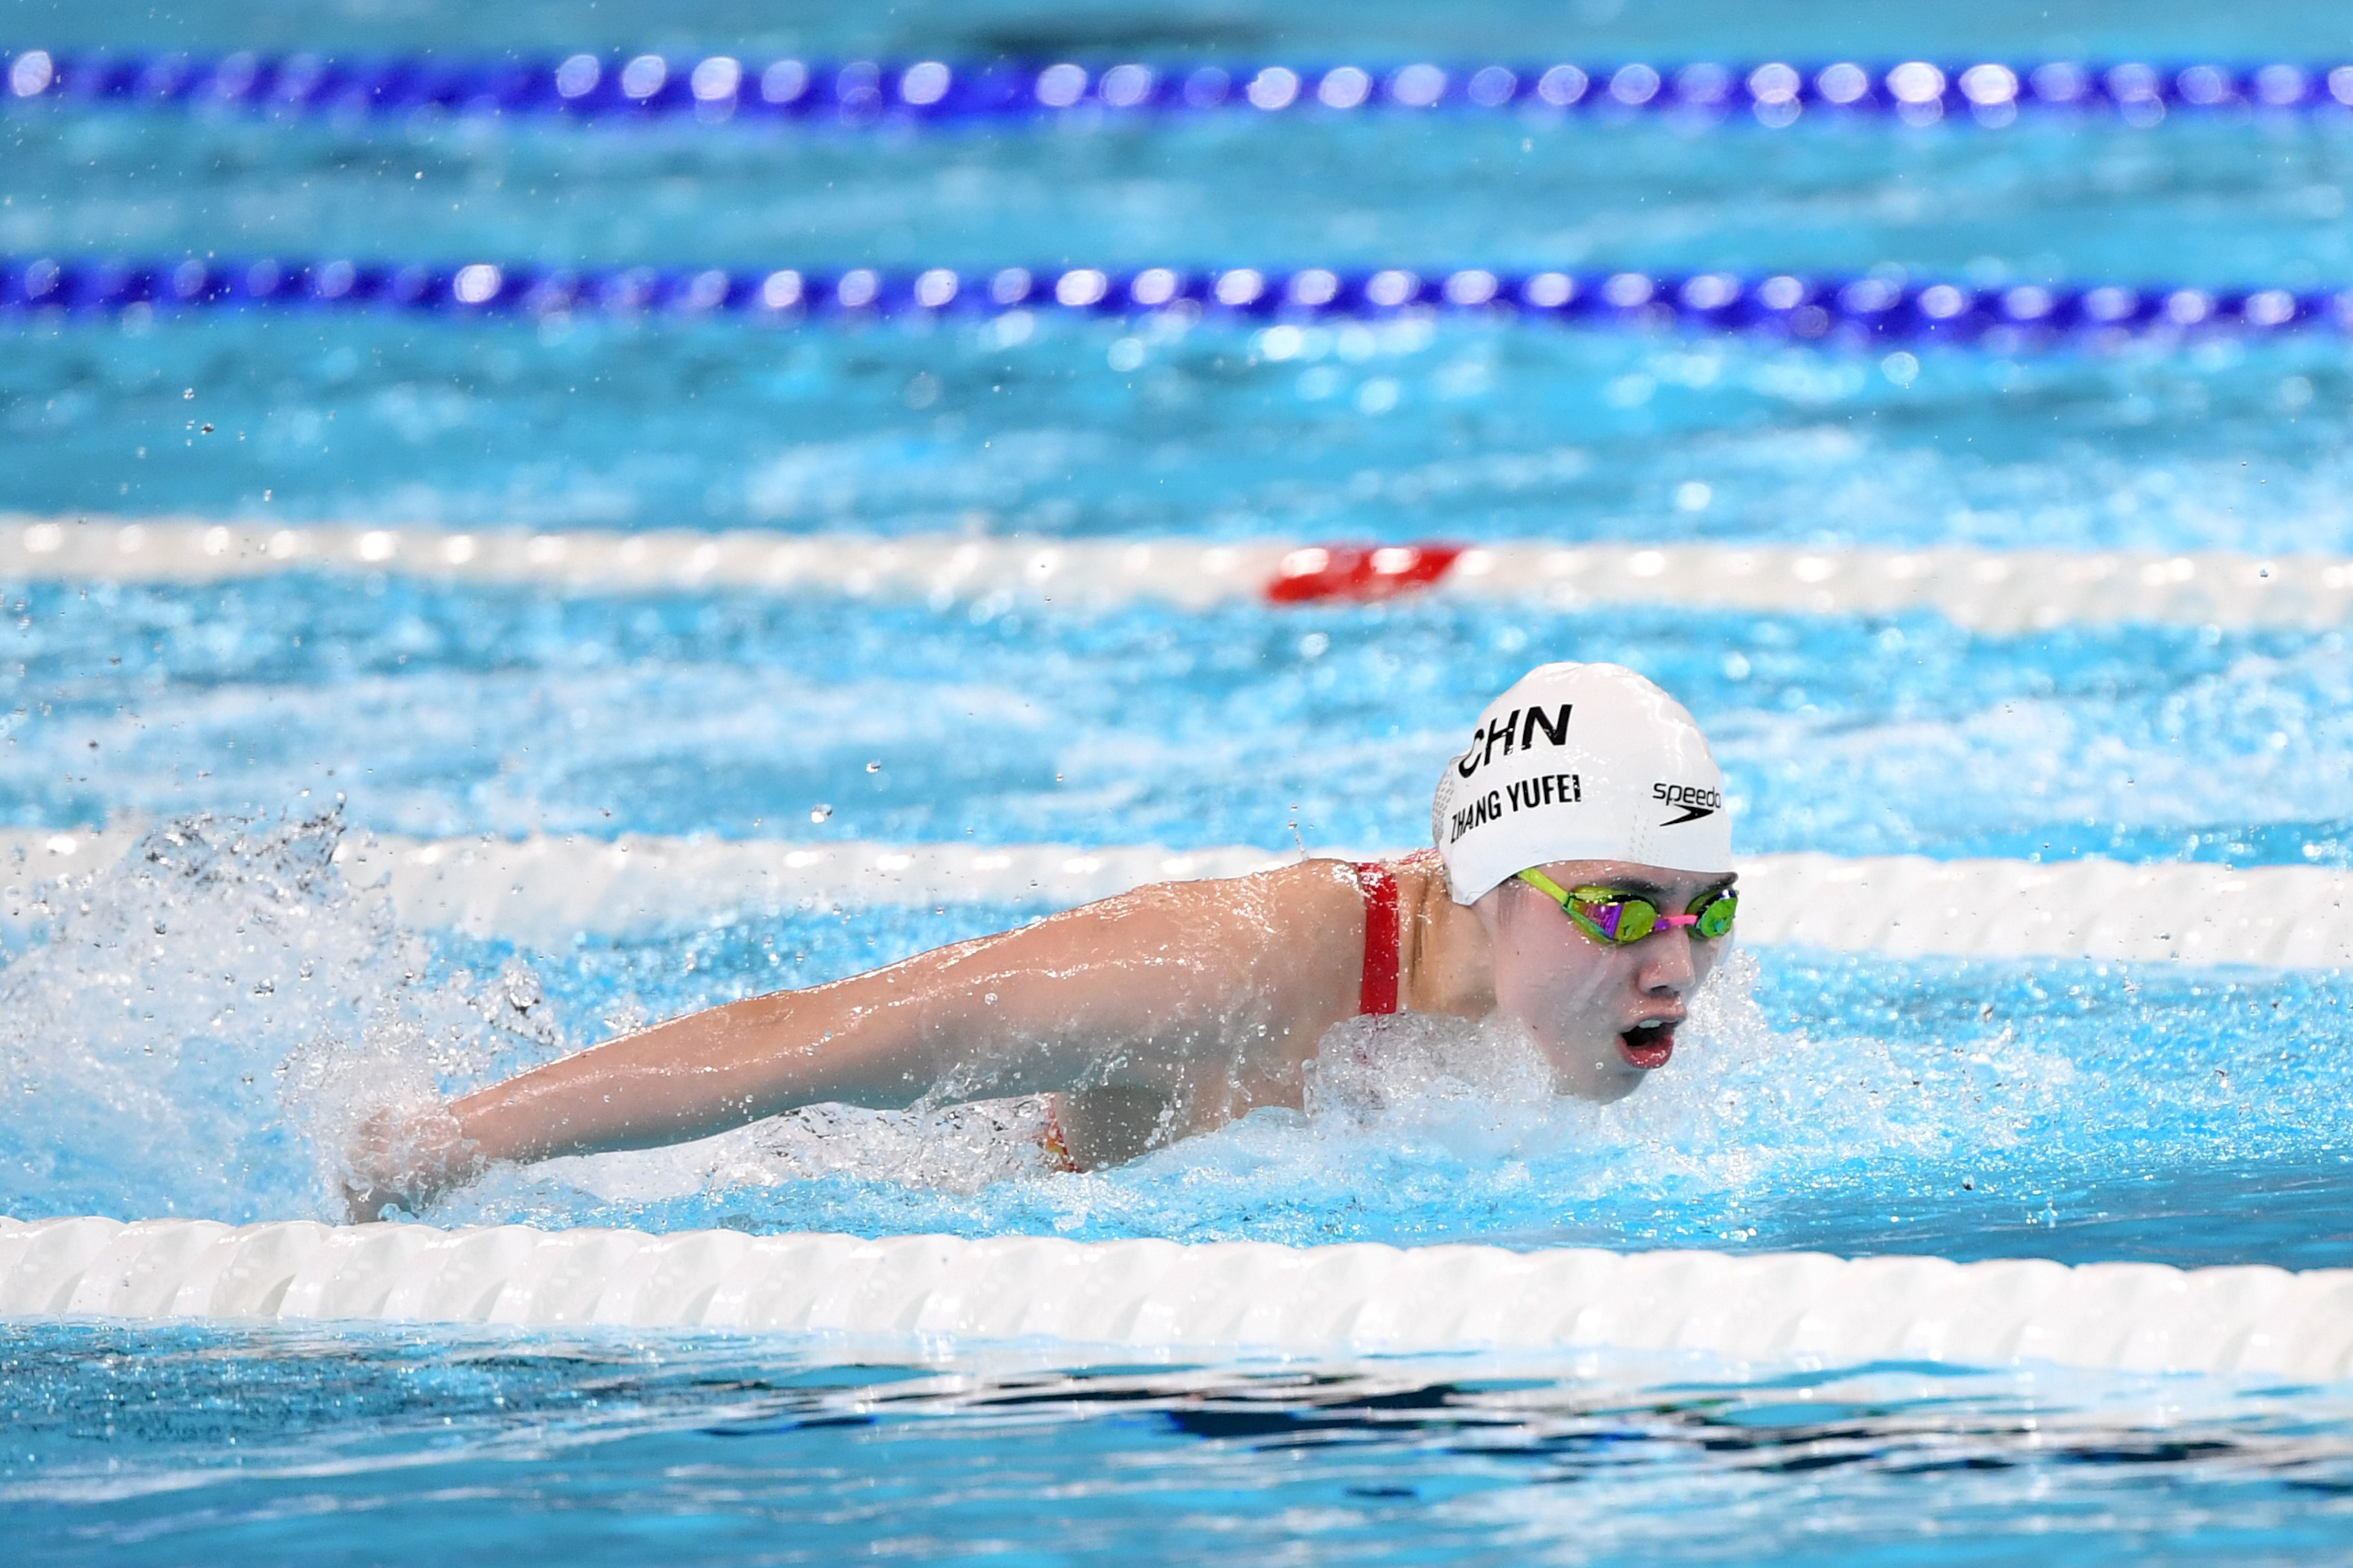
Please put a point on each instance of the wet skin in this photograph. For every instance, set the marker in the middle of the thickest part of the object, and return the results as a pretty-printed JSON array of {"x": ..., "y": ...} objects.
[
  {"x": 1153, "y": 1016},
  {"x": 1606, "y": 1016}
]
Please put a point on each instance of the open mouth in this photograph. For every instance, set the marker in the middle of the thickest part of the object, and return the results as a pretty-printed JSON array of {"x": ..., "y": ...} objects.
[{"x": 1647, "y": 1046}]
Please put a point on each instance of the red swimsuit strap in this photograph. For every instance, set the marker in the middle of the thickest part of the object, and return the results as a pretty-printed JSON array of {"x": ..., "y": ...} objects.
[{"x": 1379, "y": 993}]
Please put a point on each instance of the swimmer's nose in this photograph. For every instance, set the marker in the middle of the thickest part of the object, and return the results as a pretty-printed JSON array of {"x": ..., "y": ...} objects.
[{"x": 1667, "y": 965}]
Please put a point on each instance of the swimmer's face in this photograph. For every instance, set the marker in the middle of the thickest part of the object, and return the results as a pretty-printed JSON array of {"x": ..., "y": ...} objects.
[{"x": 1605, "y": 1015}]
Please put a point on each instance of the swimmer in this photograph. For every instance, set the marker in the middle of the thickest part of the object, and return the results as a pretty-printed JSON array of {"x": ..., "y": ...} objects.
[{"x": 1580, "y": 884}]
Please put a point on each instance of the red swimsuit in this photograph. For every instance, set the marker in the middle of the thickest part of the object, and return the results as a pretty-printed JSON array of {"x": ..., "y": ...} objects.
[{"x": 1378, "y": 991}]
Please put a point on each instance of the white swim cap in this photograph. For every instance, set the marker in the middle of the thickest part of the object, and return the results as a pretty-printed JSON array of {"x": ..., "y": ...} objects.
[{"x": 1581, "y": 761}]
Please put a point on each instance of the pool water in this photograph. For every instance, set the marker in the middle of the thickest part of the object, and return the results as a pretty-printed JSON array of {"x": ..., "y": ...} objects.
[{"x": 168, "y": 1049}]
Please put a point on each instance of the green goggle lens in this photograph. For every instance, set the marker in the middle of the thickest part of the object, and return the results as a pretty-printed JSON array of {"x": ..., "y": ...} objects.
[
  {"x": 1715, "y": 914},
  {"x": 1620, "y": 919}
]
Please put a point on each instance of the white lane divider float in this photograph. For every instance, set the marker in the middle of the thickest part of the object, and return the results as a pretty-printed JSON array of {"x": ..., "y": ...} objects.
[
  {"x": 1176, "y": 1299},
  {"x": 1992, "y": 591},
  {"x": 541, "y": 892}
]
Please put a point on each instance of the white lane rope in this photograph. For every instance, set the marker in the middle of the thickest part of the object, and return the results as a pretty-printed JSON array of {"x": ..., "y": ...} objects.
[
  {"x": 1992, "y": 591},
  {"x": 1160, "y": 1296},
  {"x": 542, "y": 892}
]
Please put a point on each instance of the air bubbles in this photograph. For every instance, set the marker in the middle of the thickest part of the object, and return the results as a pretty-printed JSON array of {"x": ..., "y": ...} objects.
[
  {"x": 578, "y": 75},
  {"x": 819, "y": 812},
  {"x": 858, "y": 287},
  {"x": 1392, "y": 288},
  {"x": 1634, "y": 85},
  {"x": 1125, "y": 355},
  {"x": 1781, "y": 292},
  {"x": 644, "y": 76},
  {"x": 1274, "y": 88},
  {"x": 1901, "y": 368},
  {"x": 716, "y": 80},
  {"x": 781, "y": 290},
  {"x": 1344, "y": 87},
  {"x": 1418, "y": 86},
  {"x": 706, "y": 290},
  {"x": 2340, "y": 85},
  {"x": 1562, "y": 86},
  {"x": 1010, "y": 286},
  {"x": 1126, "y": 86},
  {"x": 1060, "y": 86},
  {"x": 1154, "y": 286},
  {"x": 925, "y": 83},
  {"x": 1693, "y": 495}
]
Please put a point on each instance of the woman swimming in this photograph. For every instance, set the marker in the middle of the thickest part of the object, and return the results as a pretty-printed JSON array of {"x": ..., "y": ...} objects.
[{"x": 1580, "y": 882}]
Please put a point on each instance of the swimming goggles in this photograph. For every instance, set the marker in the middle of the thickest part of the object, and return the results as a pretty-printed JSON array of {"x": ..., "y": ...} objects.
[{"x": 1616, "y": 919}]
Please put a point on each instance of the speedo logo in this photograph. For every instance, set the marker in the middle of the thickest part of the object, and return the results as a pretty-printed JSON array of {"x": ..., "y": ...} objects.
[{"x": 1691, "y": 802}]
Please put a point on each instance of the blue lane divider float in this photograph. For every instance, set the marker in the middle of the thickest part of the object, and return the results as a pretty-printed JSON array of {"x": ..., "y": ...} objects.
[
  {"x": 719, "y": 87},
  {"x": 1850, "y": 310}
]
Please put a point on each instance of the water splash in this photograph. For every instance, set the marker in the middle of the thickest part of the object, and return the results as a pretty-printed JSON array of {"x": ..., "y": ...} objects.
[{"x": 205, "y": 1015}]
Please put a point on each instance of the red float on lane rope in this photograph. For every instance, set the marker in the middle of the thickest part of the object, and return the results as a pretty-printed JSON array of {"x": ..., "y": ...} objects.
[{"x": 1358, "y": 570}]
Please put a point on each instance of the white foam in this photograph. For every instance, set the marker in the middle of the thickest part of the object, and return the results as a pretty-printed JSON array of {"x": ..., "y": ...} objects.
[
  {"x": 1803, "y": 1308},
  {"x": 541, "y": 892},
  {"x": 1994, "y": 591}
]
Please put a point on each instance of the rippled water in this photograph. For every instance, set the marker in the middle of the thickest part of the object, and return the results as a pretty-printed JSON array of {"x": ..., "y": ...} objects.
[{"x": 621, "y": 1450}]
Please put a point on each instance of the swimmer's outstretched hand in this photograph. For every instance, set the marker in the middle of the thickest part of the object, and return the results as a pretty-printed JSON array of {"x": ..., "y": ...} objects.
[{"x": 405, "y": 1155}]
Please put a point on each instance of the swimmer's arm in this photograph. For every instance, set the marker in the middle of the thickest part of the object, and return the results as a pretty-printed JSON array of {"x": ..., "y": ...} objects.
[{"x": 1035, "y": 1009}]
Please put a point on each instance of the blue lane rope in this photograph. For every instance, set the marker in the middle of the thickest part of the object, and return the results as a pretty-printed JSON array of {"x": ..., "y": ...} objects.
[
  {"x": 1847, "y": 309},
  {"x": 719, "y": 87}
]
